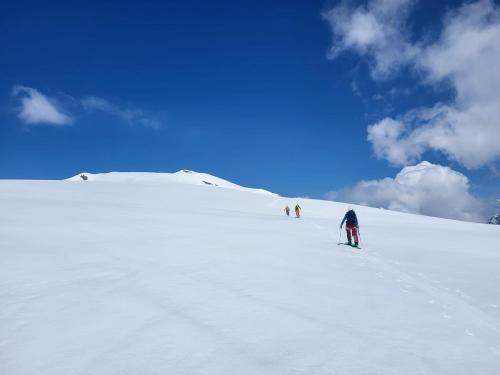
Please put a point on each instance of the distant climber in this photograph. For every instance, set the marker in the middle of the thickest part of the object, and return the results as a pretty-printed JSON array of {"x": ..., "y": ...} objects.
[
  {"x": 297, "y": 211},
  {"x": 351, "y": 226},
  {"x": 287, "y": 210}
]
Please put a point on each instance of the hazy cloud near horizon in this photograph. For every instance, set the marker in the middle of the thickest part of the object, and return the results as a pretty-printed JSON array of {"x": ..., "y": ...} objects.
[
  {"x": 131, "y": 115},
  {"x": 425, "y": 188}
]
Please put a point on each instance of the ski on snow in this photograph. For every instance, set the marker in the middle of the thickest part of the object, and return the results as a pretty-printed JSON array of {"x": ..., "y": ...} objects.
[{"x": 347, "y": 244}]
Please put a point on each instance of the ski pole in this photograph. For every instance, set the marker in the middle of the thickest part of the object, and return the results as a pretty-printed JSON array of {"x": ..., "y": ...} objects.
[{"x": 340, "y": 234}]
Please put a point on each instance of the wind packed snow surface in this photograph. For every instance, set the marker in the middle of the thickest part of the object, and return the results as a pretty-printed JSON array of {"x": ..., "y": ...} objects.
[{"x": 140, "y": 277}]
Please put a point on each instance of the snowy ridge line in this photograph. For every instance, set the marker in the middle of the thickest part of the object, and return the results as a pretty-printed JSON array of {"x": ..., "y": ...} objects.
[{"x": 183, "y": 176}]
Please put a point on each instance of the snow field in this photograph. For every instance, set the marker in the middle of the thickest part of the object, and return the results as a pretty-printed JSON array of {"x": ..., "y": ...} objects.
[{"x": 123, "y": 277}]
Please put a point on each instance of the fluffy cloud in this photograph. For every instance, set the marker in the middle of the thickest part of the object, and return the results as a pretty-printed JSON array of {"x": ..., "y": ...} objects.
[
  {"x": 465, "y": 55},
  {"x": 132, "y": 115},
  {"x": 389, "y": 142},
  {"x": 425, "y": 188},
  {"x": 376, "y": 29},
  {"x": 37, "y": 108}
]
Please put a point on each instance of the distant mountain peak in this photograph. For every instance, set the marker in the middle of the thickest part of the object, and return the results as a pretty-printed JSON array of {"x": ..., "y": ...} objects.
[
  {"x": 184, "y": 176},
  {"x": 495, "y": 220}
]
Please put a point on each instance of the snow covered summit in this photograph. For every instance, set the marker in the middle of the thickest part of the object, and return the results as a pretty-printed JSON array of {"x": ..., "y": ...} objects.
[{"x": 183, "y": 176}]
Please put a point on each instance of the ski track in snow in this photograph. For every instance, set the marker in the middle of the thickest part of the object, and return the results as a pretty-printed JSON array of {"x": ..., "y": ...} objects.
[
  {"x": 448, "y": 300},
  {"x": 127, "y": 278}
]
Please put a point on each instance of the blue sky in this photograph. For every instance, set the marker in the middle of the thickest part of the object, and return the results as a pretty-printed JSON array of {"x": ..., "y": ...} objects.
[{"x": 247, "y": 91}]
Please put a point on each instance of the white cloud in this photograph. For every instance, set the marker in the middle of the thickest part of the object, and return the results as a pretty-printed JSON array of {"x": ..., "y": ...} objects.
[
  {"x": 37, "y": 108},
  {"x": 376, "y": 29},
  {"x": 465, "y": 56},
  {"x": 425, "y": 188},
  {"x": 389, "y": 142},
  {"x": 132, "y": 115}
]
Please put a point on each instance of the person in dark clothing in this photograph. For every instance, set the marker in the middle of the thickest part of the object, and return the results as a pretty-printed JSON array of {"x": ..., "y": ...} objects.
[
  {"x": 351, "y": 226},
  {"x": 287, "y": 211}
]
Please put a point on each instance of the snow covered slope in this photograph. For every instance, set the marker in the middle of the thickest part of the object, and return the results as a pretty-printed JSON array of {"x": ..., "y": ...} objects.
[
  {"x": 183, "y": 176},
  {"x": 174, "y": 278}
]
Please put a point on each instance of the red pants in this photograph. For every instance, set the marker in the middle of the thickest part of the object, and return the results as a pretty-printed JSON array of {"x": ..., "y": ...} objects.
[{"x": 351, "y": 228}]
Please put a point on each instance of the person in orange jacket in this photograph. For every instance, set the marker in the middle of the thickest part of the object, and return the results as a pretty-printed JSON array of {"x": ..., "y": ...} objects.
[{"x": 297, "y": 211}]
